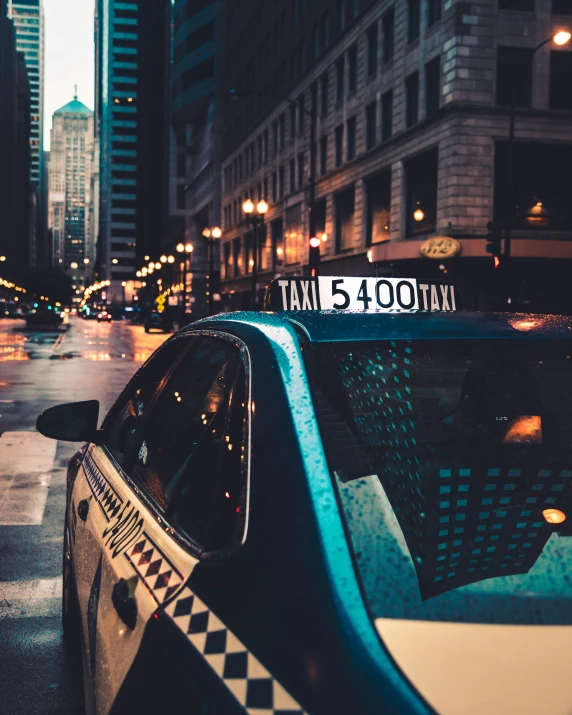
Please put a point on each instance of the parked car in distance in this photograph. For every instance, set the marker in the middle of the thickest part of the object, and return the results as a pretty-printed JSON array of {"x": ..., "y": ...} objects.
[
  {"x": 157, "y": 321},
  {"x": 44, "y": 318},
  {"x": 104, "y": 315}
]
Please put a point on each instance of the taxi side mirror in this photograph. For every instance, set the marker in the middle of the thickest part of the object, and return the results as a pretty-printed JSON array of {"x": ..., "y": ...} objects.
[{"x": 70, "y": 422}]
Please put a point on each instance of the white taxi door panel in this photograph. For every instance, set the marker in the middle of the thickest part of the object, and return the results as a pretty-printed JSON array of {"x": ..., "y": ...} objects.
[{"x": 138, "y": 567}]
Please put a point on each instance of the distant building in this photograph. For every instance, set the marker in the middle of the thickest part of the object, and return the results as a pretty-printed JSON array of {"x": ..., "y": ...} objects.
[
  {"x": 131, "y": 46},
  {"x": 412, "y": 105},
  {"x": 198, "y": 59},
  {"x": 17, "y": 195},
  {"x": 69, "y": 199},
  {"x": 28, "y": 19}
]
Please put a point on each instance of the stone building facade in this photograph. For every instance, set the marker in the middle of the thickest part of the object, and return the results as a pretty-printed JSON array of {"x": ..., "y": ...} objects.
[{"x": 412, "y": 102}]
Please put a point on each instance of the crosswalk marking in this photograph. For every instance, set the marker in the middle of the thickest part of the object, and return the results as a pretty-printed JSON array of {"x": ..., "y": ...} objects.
[
  {"x": 41, "y": 597},
  {"x": 26, "y": 463}
]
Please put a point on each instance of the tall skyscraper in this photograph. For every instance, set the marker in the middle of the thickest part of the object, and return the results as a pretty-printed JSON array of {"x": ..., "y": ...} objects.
[
  {"x": 28, "y": 19},
  {"x": 131, "y": 67},
  {"x": 69, "y": 200}
]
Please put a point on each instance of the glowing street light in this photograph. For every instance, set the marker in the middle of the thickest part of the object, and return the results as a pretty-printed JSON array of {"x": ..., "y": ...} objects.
[
  {"x": 180, "y": 247},
  {"x": 170, "y": 259},
  {"x": 216, "y": 232},
  {"x": 562, "y": 37},
  {"x": 248, "y": 206},
  {"x": 163, "y": 258}
]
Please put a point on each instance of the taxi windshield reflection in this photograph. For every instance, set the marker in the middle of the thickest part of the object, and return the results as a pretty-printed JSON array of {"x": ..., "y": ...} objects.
[{"x": 448, "y": 456}]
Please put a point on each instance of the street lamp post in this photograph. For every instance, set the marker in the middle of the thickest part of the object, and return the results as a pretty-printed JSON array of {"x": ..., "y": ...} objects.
[
  {"x": 123, "y": 284},
  {"x": 211, "y": 235},
  {"x": 559, "y": 38},
  {"x": 256, "y": 220},
  {"x": 187, "y": 249}
]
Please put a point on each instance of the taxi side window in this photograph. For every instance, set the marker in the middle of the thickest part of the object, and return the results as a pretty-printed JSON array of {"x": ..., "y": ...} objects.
[
  {"x": 127, "y": 414},
  {"x": 184, "y": 443}
]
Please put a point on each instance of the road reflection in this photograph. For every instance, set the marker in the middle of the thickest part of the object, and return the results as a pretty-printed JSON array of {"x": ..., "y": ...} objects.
[
  {"x": 98, "y": 342},
  {"x": 12, "y": 347}
]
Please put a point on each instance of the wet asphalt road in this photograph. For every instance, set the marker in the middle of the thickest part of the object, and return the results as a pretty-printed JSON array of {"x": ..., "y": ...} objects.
[{"x": 37, "y": 370}]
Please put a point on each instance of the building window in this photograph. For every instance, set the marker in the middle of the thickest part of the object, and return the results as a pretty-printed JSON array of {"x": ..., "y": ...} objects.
[
  {"x": 372, "y": 51},
  {"x": 433, "y": 12},
  {"x": 324, "y": 94},
  {"x": 341, "y": 15},
  {"x": 352, "y": 68},
  {"x": 519, "y": 5},
  {"x": 340, "y": 76},
  {"x": 301, "y": 113},
  {"x": 274, "y": 141},
  {"x": 344, "y": 204},
  {"x": 412, "y": 99},
  {"x": 323, "y": 155},
  {"x": 378, "y": 206},
  {"x": 514, "y": 76},
  {"x": 301, "y": 171},
  {"x": 351, "y": 138},
  {"x": 301, "y": 58},
  {"x": 324, "y": 31},
  {"x": 265, "y": 145},
  {"x": 388, "y": 27},
  {"x": 421, "y": 193},
  {"x": 315, "y": 42},
  {"x": 292, "y": 121},
  {"x": 386, "y": 115},
  {"x": 281, "y": 131},
  {"x": 413, "y": 20},
  {"x": 292, "y": 176},
  {"x": 281, "y": 182},
  {"x": 352, "y": 10},
  {"x": 541, "y": 185},
  {"x": 339, "y": 145},
  {"x": 370, "y": 125},
  {"x": 432, "y": 86},
  {"x": 314, "y": 99},
  {"x": 274, "y": 187},
  {"x": 561, "y": 7},
  {"x": 560, "y": 80}
]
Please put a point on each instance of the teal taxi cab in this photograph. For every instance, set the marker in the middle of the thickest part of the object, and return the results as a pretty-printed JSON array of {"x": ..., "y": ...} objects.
[{"x": 354, "y": 502}]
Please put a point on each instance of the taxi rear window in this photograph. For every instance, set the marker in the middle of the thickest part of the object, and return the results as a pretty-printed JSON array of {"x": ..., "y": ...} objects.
[{"x": 453, "y": 464}]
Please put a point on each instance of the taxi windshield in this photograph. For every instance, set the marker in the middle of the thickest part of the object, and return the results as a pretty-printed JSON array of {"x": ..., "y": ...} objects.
[{"x": 452, "y": 461}]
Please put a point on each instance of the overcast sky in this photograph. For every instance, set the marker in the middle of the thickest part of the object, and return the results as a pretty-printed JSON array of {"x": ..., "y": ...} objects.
[{"x": 69, "y": 56}]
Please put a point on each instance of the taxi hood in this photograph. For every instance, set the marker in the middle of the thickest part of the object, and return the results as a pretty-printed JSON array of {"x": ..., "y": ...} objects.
[{"x": 473, "y": 669}]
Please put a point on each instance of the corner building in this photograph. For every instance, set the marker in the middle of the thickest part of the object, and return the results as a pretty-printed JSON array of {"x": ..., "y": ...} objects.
[{"x": 412, "y": 102}]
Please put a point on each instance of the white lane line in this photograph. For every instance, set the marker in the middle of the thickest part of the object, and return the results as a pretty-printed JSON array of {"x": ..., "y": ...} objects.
[
  {"x": 26, "y": 463},
  {"x": 30, "y": 599}
]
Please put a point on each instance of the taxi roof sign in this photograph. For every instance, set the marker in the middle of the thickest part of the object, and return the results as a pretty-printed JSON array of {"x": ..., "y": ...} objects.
[{"x": 371, "y": 295}]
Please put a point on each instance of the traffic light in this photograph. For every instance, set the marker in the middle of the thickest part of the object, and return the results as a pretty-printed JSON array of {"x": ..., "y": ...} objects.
[
  {"x": 314, "y": 258},
  {"x": 494, "y": 239}
]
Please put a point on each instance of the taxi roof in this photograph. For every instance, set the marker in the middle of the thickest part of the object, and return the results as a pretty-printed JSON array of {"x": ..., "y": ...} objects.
[{"x": 343, "y": 326}]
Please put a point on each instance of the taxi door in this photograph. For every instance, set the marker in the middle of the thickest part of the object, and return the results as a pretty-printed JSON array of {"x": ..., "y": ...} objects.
[
  {"x": 138, "y": 567},
  {"x": 125, "y": 564},
  {"x": 137, "y": 563}
]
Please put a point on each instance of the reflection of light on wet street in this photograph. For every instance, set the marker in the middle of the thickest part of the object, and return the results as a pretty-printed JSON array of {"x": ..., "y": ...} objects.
[
  {"x": 12, "y": 346},
  {"x": 96, "y": 342}
]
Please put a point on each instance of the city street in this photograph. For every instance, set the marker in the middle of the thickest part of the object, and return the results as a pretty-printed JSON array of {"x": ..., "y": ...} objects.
[{"x": 37, "y": 370}]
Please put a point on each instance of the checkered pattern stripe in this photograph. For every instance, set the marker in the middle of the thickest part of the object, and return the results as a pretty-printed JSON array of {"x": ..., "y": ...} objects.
[
  {"x": 154, "y": 568},
  {"x": 247, "y": 679},
  {"x": 107, "y": 498}
]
